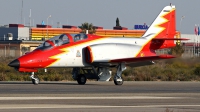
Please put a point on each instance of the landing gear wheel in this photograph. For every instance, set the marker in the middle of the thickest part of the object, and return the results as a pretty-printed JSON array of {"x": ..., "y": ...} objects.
[
  {"x": 81, "y": 79},
  {"x": 118, "y": 81},
  {"x": 35, "y": 81}
]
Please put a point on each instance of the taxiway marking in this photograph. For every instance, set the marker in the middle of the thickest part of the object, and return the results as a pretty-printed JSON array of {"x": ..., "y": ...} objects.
[
  {"x": 87, "y": 98},
  {"x": 32, "y": 106}
]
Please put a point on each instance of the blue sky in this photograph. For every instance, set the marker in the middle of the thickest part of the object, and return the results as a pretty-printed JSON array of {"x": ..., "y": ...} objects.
[{"x": 99, "y": 12}]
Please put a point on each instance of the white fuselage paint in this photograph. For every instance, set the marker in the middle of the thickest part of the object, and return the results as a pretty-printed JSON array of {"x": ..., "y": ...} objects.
[{"x": 75, "y": 56}]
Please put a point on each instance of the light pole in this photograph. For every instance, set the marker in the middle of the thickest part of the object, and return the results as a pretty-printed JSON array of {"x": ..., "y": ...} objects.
[
  {"x": 197, "y": 40},
  {"x": 181, "y": 21},
  {"x": 180, "y": 27},
  {"x": 47, "y": 26}
]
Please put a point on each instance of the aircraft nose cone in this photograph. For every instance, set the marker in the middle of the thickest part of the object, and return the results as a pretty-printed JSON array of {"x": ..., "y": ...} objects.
[{"x": 14, "y": 63}]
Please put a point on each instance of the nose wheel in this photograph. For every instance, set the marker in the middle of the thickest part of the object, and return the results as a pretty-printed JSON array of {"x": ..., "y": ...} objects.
[{"x": 35, "y": 81}]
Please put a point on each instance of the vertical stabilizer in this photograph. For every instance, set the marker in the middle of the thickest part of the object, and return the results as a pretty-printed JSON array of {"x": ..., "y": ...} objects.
[{"x": 164, "y": 26}]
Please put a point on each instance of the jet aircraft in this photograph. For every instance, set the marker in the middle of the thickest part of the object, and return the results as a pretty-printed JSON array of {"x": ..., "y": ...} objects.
[{"x": 92, "y": 56}]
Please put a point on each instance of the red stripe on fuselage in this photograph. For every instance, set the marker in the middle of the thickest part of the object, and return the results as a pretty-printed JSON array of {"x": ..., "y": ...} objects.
[{"x": 41, "y": 59}]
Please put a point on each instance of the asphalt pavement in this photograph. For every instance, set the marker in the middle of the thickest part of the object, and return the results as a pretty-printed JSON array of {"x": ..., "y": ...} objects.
[{"x": 100, "y": 97}]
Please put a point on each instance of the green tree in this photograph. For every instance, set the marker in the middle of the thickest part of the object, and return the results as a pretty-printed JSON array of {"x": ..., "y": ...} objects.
[
  {"x": 178, "y": 50},
  {"x": 117, "y": 22},
  {"x": 86, "y": 26}
]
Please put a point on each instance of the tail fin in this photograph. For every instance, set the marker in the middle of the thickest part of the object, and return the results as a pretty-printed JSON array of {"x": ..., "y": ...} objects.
[
  {"x": 162, "y": 31},
  {"x": 164, "y": 26}
]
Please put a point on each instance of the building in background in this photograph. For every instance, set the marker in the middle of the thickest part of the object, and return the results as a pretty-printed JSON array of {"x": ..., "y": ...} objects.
[
  {"x": 192, "y": 46},
  {"x": 14, "y": 32},
  {"x": 16, "y": 39},
  {"x": 16, "y": 48}
]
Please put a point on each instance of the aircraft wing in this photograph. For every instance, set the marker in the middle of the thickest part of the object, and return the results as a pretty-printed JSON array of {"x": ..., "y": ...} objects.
[
  {"x": 142, "y": 59},
  {"x": 133, "y": 62},
  {"x": 170, "y": 39},
  {"x": 142, "y": 63}
]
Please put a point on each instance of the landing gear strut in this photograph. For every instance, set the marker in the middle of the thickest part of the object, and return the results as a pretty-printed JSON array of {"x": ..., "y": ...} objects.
[
  {"x": 34, "y": 79},
  {"x": 118, "y": 78}
]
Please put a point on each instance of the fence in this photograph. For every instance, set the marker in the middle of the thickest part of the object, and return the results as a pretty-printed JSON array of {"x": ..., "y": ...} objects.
[{"x": 13, "y": 51}]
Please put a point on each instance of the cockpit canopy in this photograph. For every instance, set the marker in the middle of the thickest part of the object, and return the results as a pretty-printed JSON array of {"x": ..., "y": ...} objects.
[
  {"x": 80, "y": 36},
  {"x": 61, "y": 40},
  {"x": 55, "y": 41}
]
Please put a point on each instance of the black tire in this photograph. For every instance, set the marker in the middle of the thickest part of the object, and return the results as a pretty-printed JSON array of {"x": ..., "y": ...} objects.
[
  {"x": 118, "y": 82},
  {"x": 81, "y": 79},
  {"x": 35, "y": 81}
]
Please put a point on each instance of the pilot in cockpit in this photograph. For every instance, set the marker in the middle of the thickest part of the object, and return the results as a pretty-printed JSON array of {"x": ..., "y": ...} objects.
[
  {"x": 59, "y": 41},
  {"x": 76, "y": 38},
  {"x": 79, "y": 37}
]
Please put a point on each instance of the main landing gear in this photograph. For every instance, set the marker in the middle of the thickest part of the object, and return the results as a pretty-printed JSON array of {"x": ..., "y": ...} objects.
[
  {"x": 81, "y": 79},
  {"x": 99, "y": 73},
  {"x": 82, "y": 74},
  {"x": 35, "y": 80},
  {"x": 118, "y": 78}
]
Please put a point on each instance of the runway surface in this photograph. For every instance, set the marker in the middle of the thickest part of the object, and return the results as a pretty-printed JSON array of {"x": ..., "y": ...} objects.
[{"x": 100, "y": 97}]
